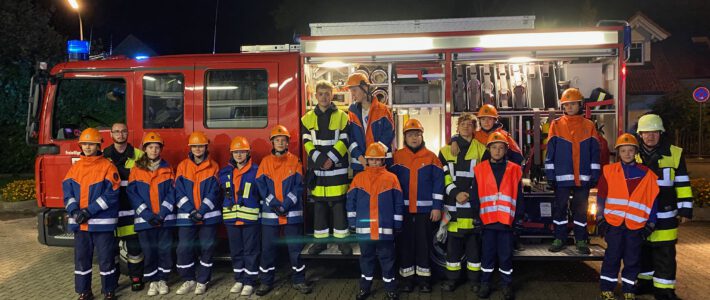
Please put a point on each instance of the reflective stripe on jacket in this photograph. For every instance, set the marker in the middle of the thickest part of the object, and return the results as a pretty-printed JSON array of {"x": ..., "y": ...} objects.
[
  {"x": 458, "y": 177},
  {"x": 421, "y": 177},
  {"x": 622, "y": 207},
  {"x": 126, "y": 161},
  {"x": 572, "y": 152},
  {"x": 152, "y": 193},
  {"x": 325, "y": 136},
  {"x": 675, "y": 197},
  {"x": 497, "y": 203},
  {"x": 241, "y": 197},
  {"x": 196, "y": 188},
  {"x": 374, "y": 204},
  {"x": 92, "y": 183},
  {"x": 280, "y": 183},
  {"x": 380, "y": 128}
]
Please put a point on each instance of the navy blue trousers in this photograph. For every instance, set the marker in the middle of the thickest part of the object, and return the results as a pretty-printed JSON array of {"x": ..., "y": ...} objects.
[
  {"x": 157, "y": 245},
  {"x": 84, "y": 243},
  {"x": 244, "y": 248},
  {"x": 497, "y": 249},
  {"x": 622, "y": 244},
  {"x": 579, "y": 203},
  {"x": 370, "y": 252},
  {"x": 270, "y": 240},
  {"x": 189, "y": 238},
  {"x": 414, "y": 245}
]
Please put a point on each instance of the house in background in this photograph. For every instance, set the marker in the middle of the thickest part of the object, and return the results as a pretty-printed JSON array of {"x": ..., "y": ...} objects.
[{"x": 661, "y": 64}]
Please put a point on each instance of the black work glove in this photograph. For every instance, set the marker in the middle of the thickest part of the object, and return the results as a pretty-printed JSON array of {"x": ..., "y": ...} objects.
[
  {"x": 82, "y": 216},
  {"x": 602, "y": 226},
  {"x": 477, "y": 226},
  {"x": 647, "y": 230},
  {"x": 195, "y": 216},
  {"x": 155, "y": 220},
  {"x": 278, "y": 210}
]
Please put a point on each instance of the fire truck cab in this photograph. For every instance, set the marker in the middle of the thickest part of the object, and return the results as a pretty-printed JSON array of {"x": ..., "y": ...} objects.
[{"x": 432, "y": 70}]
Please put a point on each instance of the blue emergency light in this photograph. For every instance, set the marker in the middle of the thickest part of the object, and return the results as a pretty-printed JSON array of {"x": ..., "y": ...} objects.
[
  {"x": 141, "y": 57},
  {"x": 78, "y": 50}
]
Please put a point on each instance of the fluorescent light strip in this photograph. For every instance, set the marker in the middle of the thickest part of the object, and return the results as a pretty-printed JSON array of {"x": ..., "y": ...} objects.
[
  {"x": 374, "y": 45},
  {"x": 543, "y": 39},
  {"x": 475, "y": 42},
  {"x": 220, "y": 88}
]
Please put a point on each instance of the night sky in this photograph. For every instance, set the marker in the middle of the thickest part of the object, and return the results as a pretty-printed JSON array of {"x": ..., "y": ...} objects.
[{"x": 178, "y": 26}]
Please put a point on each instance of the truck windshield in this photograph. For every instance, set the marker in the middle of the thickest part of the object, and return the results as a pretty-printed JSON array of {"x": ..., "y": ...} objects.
[{"x": 83, "y": 103}]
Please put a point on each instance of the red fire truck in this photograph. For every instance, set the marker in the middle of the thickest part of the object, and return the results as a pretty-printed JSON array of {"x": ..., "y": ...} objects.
[{"x": 432, "y": 70}]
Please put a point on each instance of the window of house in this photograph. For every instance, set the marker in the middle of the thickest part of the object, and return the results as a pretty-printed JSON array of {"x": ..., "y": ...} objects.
[{"x": 636, "y": 55}]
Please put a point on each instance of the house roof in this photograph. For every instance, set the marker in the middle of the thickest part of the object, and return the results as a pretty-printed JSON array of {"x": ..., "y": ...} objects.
[
  {"x": 646, "y": 26},
  {"x": 673, "y": 58}
]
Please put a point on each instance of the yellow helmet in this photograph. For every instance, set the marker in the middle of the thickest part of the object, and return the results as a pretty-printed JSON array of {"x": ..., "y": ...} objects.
[{"x": 650, "y": 122}]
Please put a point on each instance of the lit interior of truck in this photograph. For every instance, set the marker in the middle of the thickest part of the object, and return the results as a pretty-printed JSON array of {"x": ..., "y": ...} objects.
[{"x": 524, "y": 87}]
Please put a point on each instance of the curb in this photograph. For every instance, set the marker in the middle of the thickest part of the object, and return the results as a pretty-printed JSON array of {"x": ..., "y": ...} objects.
[{"x": 29, "y": 206}]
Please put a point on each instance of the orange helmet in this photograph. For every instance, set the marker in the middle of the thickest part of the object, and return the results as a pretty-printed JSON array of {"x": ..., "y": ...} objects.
[
  {"x": 279, "y": 130},
  {"x": 197, "y": 138},
  {"x": 488, "y": 110},
  {"x": 239, "y": 143},
  {"x": 626, "y": 139},
  {"x": 152, "y": 137},
  {"x": 357, "y": 79},
  {"x": 90, "y": 136},
  {"x": 571, "y": 95},
  {"x": 413, "y": 124},
  {"x": 376, "y": 150},
  {"x": 497, "y": 137}
]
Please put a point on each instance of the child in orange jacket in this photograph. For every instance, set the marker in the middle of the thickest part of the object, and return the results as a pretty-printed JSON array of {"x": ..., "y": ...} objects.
[{"x": 91, "y": 190}]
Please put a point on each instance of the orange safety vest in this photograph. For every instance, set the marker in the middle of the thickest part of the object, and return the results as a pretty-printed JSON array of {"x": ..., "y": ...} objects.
[
  {"x": 497, "y": 204},
  {"x": 620, "y": 207}
]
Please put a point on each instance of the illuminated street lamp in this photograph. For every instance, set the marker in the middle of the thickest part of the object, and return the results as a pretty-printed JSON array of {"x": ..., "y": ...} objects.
[{"x": 75, "y": 6}]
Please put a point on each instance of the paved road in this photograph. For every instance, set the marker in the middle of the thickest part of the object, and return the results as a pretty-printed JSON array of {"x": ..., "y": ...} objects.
[{"x": 32, "y": 271}]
